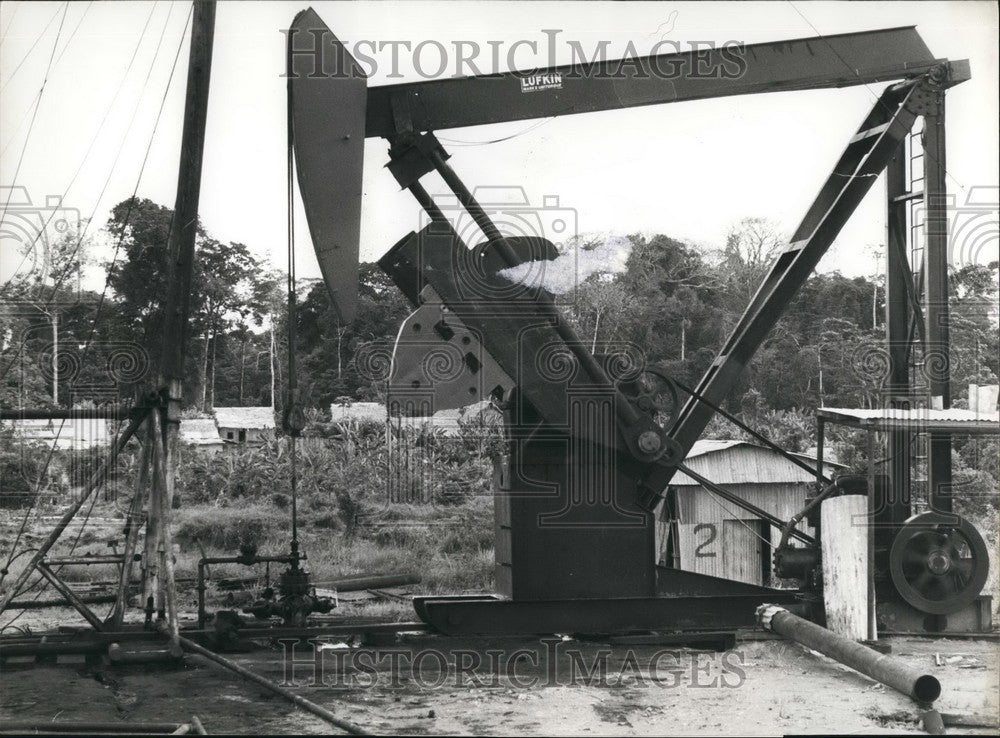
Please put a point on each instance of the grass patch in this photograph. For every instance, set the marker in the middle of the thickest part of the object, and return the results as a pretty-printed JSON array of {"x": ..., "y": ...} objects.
[{"x": 229, "y": 528}]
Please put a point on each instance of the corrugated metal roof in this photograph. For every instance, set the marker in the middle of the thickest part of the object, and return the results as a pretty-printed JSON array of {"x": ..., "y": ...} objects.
[
  {"x": 951, "y": 415},
  {"x": 200, "y": 432},
  {"x": 740, "y": 462},
  {"x": 445, "y": 421},
  {"x": 918, "y": 420},
  {"x": 357, "y": 411},
  {"x": 707, "y": 446},
  {"x": 244, "y": 417}
]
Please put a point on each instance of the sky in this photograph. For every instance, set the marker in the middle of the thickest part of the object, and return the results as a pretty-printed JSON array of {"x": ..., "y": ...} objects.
[{"x": 688, "y": 170}]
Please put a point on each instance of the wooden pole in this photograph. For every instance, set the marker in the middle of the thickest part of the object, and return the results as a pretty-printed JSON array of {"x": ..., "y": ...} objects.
[
  {"x": 70, "y": 596},
  {"x": 183, "y": 233},
  {"x": 150, "y": 558},
  {"x": 135, "y": 520},
  {"x": 844, "y": 543},
  {"x": 184, "y": 226}
]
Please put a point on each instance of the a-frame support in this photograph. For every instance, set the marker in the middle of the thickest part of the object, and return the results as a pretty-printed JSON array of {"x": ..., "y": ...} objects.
[{"x": 867, "y": 154}]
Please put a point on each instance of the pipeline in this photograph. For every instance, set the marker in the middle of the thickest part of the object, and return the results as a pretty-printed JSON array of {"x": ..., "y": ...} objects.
[
  {"x": 78, "y": 728},
  {"x": 377, "y": 581},
  {"x": 60, "y": 602},
  {"x": 921, "y": 687},
  {"x": 267, "y": 684}
]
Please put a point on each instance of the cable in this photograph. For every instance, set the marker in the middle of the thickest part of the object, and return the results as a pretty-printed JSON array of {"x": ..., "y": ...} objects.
[
  {"x": 31, "y": 504},
  {"x": 135, "y": 190},
  {"x": 732, "y": 419},
  {"x": 738, "y": 520},
  {"x": 34, "y": 115},
  {"x": 33, "y": 45},
  {"x": 56, "y": 64},
  {"x": 11, "y": 560},
  {"x": 75, "y": 29},
  {"x": 117, "y": 248},
  {"x": 93, "y": 140},
  {"x": 107, "y": 180},
  {"x": 10, "y": 23},
  {"x": 856, "y": 74},
  {"x": 529, "y": 129},
  {"x": 132, "y": 199},
  {"x": 291, "y": 423}
]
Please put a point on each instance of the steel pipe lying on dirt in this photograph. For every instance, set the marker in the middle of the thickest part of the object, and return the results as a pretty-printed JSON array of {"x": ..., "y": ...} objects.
[
  {"x": 373, "y": 581},
  {"x": 119, "y": 655},
  {"x": 192, "y": 647},
  {"x": 70, "y": 727},
  {"x": 61, "y": 602},
  {"x": 880, "y": 667}
]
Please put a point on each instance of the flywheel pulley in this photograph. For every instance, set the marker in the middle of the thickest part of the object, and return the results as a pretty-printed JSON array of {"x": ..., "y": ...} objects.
[{"x": 938, "y": 562}]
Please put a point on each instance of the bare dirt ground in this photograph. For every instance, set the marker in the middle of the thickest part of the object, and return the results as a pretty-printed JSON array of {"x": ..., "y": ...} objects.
[
  {"x": 438, "y": 686},
  {"x": 759, "y": 688}
]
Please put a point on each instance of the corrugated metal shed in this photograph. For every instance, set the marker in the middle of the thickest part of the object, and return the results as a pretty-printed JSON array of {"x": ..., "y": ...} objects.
[{"x": 716, "y": 537}]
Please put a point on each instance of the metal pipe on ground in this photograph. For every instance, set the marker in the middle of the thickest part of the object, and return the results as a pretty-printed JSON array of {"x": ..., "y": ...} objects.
[
  {"x": 921, "y": 687},
  {"x": 320, "y": 712},
  {"x": 118, "y": 654},
  {"x": 84, "y": 560},
  {"x": 28, "y": 726},
  {"x": 55, "y": 648},
  {"x": 61, "y": 602},
  {"x": 99, "y": 642},
  {"x": 373, "y": 581}
]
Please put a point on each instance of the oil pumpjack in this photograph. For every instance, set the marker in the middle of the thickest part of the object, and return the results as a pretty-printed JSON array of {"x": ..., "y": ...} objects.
[{"x": 586, "y": 461}]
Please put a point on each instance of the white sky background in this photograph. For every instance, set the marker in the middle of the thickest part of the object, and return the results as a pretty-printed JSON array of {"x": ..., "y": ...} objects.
[{"x": 688, "y": 170}]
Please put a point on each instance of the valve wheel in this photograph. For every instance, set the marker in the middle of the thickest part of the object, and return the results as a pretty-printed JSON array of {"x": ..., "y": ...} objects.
[{"x": 938, "y": 563}]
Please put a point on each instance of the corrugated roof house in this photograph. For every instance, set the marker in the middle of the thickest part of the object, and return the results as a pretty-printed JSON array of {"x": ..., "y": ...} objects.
[
  {"x": 712, "y": 536},
  {"x": 244, "y": 424}
]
